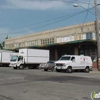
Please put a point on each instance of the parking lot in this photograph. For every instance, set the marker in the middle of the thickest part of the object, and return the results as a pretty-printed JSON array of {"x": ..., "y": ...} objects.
[{"x": 35, "y": 84}]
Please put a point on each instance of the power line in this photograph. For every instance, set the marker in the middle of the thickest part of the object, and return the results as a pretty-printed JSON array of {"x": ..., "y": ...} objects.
[
  {"x": 86, "y": 13},
  {"x": 84, "y": 19},
  {"x": 49, "y": 19},
  {"x": 69, "y": 1},
  {"x": 41, "y": 22},
  {"x": 60, "y": 18},
  {"x": 70, "y": 16}
]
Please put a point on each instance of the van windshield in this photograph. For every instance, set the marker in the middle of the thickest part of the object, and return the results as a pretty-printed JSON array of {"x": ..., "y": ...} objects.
[
  {"x": 14, "y": 58},
  {"x": 65, "y": 58}
]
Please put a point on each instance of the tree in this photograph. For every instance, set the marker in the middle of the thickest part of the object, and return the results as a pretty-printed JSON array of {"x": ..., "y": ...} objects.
[
  {"x": 7, "y": 37},
  {"x": 1, "y": 47},
  {"x": 3, "y": 43}
]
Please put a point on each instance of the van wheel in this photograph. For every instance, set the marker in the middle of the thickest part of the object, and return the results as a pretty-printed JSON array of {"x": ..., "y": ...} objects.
[
  {"x": 45, "y": 69},
  {"x": 69, "y": 69},
  {"x": 57, "y": 70},
  {"x": 87, "y": 69},
  {"x": 21, "y": 67}
]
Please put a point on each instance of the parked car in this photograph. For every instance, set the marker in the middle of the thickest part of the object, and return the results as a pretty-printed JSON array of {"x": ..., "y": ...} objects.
[
  {"x": 48, "y": 66},
  {"x": 42, "y": 65}
]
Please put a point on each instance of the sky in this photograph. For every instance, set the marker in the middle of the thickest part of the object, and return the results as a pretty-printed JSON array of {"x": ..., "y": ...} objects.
[{"x": 22, "y": 17}]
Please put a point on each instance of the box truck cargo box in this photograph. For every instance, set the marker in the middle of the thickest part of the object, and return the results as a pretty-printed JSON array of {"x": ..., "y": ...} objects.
[
  {"x": 30, "y": 58},
  {"x": 5, "y": 57}
]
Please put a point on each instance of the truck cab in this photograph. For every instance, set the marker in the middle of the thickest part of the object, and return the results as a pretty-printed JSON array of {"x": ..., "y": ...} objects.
[{"x": 16, "y": 61}]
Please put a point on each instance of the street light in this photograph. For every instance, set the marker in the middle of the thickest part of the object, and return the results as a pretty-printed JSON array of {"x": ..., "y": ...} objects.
[
  {"x": 97, "y": 31},
  {"x": 76, "y": 5}
]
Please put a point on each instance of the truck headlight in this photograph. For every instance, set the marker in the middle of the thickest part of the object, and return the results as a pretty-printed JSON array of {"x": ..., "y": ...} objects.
[{"x": 15, "y": 63}]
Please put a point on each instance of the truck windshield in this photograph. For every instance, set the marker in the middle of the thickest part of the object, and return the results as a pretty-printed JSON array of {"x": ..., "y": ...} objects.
[
  {"x": 14, "y": 58},
  {"x": 65, "y": 58}
]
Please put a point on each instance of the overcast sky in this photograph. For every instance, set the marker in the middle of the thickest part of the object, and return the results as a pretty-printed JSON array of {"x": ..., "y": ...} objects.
[{"x": 21, "y": 17}]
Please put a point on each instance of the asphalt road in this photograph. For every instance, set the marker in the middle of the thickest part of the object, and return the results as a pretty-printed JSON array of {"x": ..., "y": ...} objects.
[{"x": 35, "y": 84}]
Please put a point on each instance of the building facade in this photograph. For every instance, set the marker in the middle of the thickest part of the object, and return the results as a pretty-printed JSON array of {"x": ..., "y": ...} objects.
[{"x": 77, "y": 39}]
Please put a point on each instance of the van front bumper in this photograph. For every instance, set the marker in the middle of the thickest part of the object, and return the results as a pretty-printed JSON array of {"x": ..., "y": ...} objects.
[{"x": 61, "y": 67}]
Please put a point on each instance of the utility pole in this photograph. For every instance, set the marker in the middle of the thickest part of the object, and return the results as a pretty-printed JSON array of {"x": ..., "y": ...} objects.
[{"x": 97, "y": 35}]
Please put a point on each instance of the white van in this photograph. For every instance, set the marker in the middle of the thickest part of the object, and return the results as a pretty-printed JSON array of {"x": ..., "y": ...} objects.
[{"x": 73, "y": 62}]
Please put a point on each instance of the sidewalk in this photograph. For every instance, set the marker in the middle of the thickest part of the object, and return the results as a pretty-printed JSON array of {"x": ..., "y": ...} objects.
[{"x": 95, "y": 70}]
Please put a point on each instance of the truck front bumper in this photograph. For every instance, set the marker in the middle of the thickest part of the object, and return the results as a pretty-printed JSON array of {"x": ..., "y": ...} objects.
[{"x": 12, "y": 65}]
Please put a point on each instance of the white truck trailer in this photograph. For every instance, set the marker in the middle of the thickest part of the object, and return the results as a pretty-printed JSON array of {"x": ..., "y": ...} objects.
[
  {"x": 30, "y": 58},
  {"x": 5, "y": 56}
]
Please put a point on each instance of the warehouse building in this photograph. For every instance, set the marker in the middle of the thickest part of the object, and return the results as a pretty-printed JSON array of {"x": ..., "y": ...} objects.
[{"x": 78, "y": 39}]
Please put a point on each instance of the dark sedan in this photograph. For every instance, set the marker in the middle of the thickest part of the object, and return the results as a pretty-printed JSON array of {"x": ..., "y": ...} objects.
[{"x": 48, "y": 66}]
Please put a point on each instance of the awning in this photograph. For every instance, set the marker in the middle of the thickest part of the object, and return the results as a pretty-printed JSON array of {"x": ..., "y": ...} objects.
[
  {"x": 80, "y": 41},
  {"x": 59, "y": 44},
  {"x": 52, "y": 44}
]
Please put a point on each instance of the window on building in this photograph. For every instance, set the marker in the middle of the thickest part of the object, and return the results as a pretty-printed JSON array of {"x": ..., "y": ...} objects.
[
  {"x": 47, "y": 41},
  {"x": 41, "y": 41}
]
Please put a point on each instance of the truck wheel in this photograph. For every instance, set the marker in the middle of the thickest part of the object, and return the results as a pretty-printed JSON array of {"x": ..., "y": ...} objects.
[
  {"x": 87, "y": 69},
  {"x": 69, "y": 69},
  {"x": 21, "y": 67},
  {"x": 14, "y": 67}
]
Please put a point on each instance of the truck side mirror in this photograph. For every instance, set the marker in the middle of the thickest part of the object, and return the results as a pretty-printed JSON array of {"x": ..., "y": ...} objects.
[
  {"x": 73, "y": 59},
  {"x": 18, "y": 59}
]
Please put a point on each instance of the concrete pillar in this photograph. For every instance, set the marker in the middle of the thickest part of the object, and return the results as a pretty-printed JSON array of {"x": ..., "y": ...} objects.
[
  {"x": 76, "y": 50},
  {"x": 56, "y": 54}
]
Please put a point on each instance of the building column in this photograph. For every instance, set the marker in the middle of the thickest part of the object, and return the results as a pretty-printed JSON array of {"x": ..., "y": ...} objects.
[
  {"x": 56, "y": 54},
  {"x": 76, "y": 50}
]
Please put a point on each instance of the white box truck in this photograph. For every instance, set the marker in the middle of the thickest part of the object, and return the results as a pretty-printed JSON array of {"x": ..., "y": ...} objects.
[
  {"x": 74, "y": 62},
  {"x": 30, "y": 58},
  {"x": 5, "y": 56}
]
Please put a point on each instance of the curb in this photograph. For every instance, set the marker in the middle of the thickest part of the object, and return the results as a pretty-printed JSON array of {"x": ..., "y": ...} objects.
[{"x": 95, "y": 71}]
